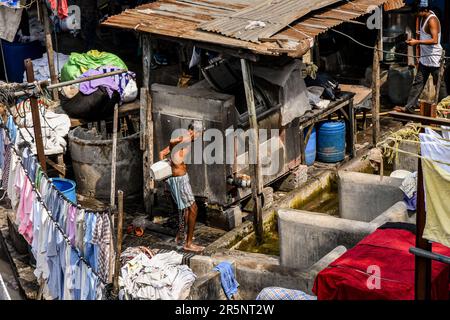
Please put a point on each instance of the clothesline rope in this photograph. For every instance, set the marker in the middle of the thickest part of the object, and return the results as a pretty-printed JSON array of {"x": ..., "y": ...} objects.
[
  {"x": 61, "y": 195},
  {"x": 40, "y": 200},
  {"x": 417, "y": 155}
]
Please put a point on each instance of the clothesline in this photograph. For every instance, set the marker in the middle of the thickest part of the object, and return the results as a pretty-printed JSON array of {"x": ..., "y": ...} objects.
[
  {"x": 40, "y": 200},
  {"x": 66, "y": 238},
  {"x": 62, "y": 195},
  {"x": 417, "y": 155}
]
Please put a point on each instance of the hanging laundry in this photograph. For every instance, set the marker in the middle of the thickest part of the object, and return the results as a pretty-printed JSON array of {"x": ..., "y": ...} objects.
[
  {"x": 10, "y": 18},
  {"x": 437, "y": 187},
  {"x": 59, "y": 6},
  {"x": 229, "y": 283},
  {"x": 102, "y": 237}
]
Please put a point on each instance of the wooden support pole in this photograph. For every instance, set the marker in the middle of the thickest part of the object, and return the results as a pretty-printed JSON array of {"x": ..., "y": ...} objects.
[
  {"x": 113, "y": 187},
  {"x": 255, "y": 168},
  {"x": 120, "y": 218},
  {"x": 376, "y": 95},
  {"x": 422, "y": 265},
  {"x": 114, "y": 157},
  {"x": 35, "y": 113},
  {"x": 146, "y": 120},
  {"x": 49, "y": 47}
]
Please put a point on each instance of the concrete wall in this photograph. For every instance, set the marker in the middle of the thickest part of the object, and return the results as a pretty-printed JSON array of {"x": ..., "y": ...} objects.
[
  {"x": 363, "y": 196},
  {"x": 305, "y": 237},
  {"x": 254, "y": 272},
  {"x": 406, "y": 161}
]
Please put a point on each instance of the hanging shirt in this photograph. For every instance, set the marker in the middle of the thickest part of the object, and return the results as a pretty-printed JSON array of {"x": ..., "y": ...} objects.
[
  {"x": 24, "y": 210},
  {"x": 42, "y": 270},
  {"x": 80, "y": 229},
  {"x": 55, "y": 240},
  {"x": 2, "y": 148},
  {"x": 437, "y": 188},
  {"x": 71, "y": 223},
  {"x": 102, "y": 238}
]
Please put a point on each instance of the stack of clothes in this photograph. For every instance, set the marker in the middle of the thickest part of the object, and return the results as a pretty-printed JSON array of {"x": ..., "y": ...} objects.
[
  {"x": 158, "y": 277},
  {"x": 95, "y": 99}
]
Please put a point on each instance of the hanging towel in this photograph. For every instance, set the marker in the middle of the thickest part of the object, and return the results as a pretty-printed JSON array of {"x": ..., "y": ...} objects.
[
  {"x": 437, "y": 188},
  {"x": 229, "y": 283}
]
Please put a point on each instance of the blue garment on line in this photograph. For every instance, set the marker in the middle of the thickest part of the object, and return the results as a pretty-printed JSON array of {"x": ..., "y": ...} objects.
[
  {"x": 2, "y": 148},
  {"x": 229, "y": 283},
  {"x": 12, "y": 128}
]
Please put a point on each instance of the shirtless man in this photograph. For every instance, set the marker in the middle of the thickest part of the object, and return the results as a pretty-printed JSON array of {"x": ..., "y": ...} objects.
[
  {"x": 180, "y": 187},
  {"x": 430, "y": 56}
]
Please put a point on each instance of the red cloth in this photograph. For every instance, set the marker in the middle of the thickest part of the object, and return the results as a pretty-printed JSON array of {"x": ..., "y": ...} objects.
[
  {"x": 346, "y": 278},
  {"x": 60, "y": 6}
]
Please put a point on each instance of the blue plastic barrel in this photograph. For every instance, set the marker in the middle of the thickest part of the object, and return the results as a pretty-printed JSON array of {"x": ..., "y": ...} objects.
[
  {"x": 310, "y": 150},
  {"x": 15, "y": 53},
  {"x": 331, "y": 141},
  {"x": 67, "y": 187}
]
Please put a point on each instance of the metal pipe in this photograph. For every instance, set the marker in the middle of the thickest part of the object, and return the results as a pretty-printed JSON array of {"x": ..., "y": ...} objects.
[
  {"x": 66, "y": 83},
  {"x": 429, "y": 255}
]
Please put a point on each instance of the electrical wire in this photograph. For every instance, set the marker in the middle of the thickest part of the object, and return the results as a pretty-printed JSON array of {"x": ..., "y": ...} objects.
[{"x": 380, "y": 50}]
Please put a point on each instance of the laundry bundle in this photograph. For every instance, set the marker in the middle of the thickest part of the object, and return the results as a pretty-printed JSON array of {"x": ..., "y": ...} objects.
[
  {"x": 161, "y": 277},
  {"x": 71, "y": 245},
  {"x": 95, "y": 99}
]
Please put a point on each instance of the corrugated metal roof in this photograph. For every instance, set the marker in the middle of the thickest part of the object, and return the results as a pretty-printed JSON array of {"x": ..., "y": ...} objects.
[
  {"x": 273, "y": 15},
  {"x": 180, "y": 19}
]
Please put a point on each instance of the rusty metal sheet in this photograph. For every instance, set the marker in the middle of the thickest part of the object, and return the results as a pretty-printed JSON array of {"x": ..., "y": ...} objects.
[
  {"x": 273, "y": 16},
  {"x": 180, "y": 19}
]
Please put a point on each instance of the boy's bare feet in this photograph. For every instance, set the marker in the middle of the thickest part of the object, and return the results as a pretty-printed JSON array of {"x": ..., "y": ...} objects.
[{"x": 193, "y": 248}]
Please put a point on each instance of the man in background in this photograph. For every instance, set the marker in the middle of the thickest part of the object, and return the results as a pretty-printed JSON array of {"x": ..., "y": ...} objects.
[{"x": 430, "y": 56}]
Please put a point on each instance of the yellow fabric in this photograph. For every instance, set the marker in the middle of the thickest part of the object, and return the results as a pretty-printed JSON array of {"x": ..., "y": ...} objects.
[{"x": 437, "y": 193}]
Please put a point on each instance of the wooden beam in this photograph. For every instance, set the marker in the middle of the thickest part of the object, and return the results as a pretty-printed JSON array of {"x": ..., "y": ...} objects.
[
  {"x": 49, "y": 48},
  {"x": 255, "y": 168},
  {"x": 376, "y": 95},
  {"x": 146, "y": 120},
  {"x": 120, "y": 218},
  {"x": 420, "y": 119},
  {"x": 35, "y": 113}
]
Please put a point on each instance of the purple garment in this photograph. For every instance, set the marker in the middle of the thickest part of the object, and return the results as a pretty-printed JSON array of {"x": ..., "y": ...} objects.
[
  {"x": 411, "y": 203},
  {"x": 89, "y": 87},
  {"x": 72, "y": 224}
]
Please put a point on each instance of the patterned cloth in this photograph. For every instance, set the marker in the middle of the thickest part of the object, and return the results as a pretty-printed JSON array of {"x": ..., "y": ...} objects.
[
  {"x": 103, "y": 238},
  {"x": 181, "y": 190},
  {"x": 7, "y": 165},
  {"x": 277, "y": 293}
]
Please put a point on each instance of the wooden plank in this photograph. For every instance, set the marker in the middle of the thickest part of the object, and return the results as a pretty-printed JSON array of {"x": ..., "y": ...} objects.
[
  {"x": 120, "y": 219},
  {"x": 146, "y": 121},
  {"x": 35, "y": 113},
  {"x": 257, "y": 182},
  {"x": 49, "y": 48},
  {"x": 376, "y": 92}
]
